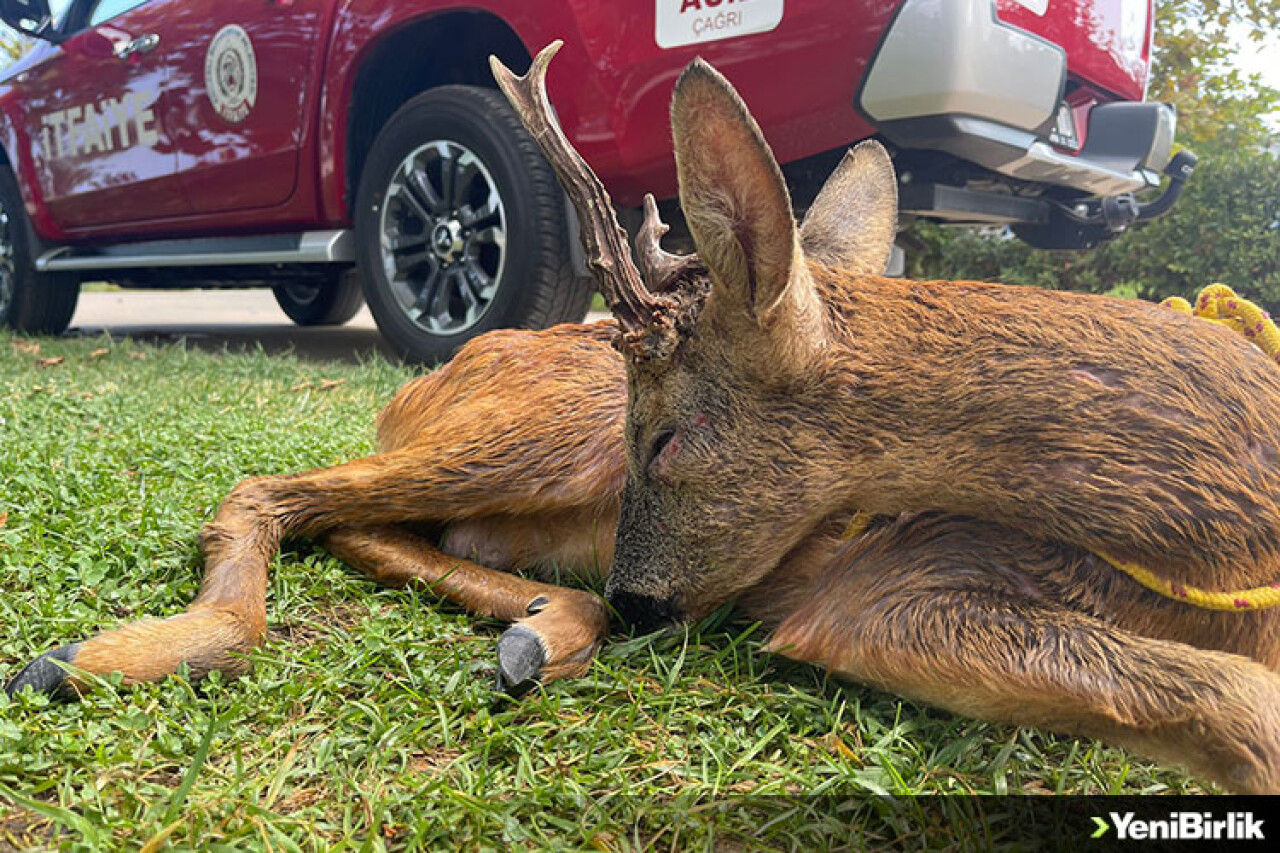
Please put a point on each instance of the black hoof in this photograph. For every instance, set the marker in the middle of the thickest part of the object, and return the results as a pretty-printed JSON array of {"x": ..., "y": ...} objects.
[
  {"x": 520, "y": 660},
  {"x": 46, "y": 674}
]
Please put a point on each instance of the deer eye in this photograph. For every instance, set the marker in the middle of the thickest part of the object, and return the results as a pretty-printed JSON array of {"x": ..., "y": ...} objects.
[{"x": 660, "y": 443}]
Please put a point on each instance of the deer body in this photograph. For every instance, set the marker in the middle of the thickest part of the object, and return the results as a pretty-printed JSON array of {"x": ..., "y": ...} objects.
[
  {"x": 760, "y": 395},
  {"x": 1111, "y": 424}
]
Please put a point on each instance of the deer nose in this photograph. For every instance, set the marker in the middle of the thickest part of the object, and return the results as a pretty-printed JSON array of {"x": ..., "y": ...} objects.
[{"x": 645, "y": 613}]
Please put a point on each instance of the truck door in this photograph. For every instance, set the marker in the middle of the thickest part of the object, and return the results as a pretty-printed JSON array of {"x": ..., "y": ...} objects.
[
  {"x": 241, "y": 76},
  {"x": 95, "y": 112}
]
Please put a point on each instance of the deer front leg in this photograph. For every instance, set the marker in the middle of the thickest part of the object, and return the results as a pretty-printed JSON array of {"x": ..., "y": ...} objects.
[
  {"x": 949, "y": 612},
  {"x": 556, "y": 632}
]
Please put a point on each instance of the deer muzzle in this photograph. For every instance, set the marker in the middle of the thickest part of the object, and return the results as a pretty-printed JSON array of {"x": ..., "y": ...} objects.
[
  {"x": 643, "y": 587},
  {"x": 643, "y": 612}
]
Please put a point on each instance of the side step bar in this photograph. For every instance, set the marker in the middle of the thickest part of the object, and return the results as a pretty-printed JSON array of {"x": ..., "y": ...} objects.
[{"x": 310, "y": 247}]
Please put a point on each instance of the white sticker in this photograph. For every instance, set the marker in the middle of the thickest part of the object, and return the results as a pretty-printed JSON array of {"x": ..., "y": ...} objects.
[
  {"x": 681, "y": 22},
  {"x": 1039, "y": 7},
  {"x": 231, "y": 74}
]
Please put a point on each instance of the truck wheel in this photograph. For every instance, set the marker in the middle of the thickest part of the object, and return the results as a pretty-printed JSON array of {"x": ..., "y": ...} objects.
[
  {"x": 461, "y": 227},
  {"x": 39, "y": 303},
  {"x": 330, "y": 303}
]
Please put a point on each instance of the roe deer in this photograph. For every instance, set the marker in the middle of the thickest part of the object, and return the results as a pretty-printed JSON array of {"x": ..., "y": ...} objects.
[
  {"x": 1022, "y": 439},
  {"x": 770, "y": 389}
]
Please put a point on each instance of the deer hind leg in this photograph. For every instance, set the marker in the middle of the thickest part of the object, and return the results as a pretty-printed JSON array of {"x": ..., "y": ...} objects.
[{"x": 948, "y": 611}]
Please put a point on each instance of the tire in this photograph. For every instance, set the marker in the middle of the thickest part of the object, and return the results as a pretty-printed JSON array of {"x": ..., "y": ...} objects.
[
  {"x": 36, "y": 303},
  {"x": 330, "y": 303},
  {"x": 440, "y": 270}
]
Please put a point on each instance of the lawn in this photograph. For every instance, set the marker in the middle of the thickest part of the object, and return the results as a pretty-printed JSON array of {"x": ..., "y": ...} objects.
[{"x": 368, "y": 719}]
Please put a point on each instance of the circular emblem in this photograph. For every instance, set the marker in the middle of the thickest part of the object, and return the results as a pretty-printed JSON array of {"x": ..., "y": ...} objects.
[
  {"x": 231, "y": 73},
  {"x": 444, "y": 240}
]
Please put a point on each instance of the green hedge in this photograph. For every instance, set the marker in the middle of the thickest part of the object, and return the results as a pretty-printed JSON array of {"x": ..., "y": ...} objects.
[{"x": 1225, "y": 228}]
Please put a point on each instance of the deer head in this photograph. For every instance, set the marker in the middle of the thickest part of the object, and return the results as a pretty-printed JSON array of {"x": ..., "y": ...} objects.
[{"x": 725, "y": 349}]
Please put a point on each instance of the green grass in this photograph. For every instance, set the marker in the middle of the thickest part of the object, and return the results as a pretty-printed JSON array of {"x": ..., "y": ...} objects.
[{"x": 368, "y": 718}]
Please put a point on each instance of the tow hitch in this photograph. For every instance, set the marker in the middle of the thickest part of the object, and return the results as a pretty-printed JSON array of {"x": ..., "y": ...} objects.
[
  {"x": 1086, "y": 224},
  {"x": 1118, "y": 212}
]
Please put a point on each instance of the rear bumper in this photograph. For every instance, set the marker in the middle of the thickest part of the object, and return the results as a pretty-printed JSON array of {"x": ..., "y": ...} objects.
[
  {"x": 1128, "y": 144},
  {"x": 950, "y": 76}
]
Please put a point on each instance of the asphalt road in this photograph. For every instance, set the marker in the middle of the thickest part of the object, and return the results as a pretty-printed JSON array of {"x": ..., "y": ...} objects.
[{"x": 222, "y": 319}]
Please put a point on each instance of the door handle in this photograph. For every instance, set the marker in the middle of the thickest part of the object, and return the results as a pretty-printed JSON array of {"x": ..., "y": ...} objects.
[{"x": 140, "y": 45}]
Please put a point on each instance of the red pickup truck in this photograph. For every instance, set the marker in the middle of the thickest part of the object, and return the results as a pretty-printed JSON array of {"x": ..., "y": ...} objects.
[{"x": 345, "y": 149}]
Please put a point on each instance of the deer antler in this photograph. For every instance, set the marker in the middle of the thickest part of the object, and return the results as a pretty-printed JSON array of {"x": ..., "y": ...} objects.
[
  {"x": 648, "y": 322},
  {"x": 661, "y": 269}
]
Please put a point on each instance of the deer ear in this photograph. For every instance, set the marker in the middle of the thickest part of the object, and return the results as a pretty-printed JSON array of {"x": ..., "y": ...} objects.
[
  {"x": 737, "y": 205},
  {"x": 852, "y": 223}
]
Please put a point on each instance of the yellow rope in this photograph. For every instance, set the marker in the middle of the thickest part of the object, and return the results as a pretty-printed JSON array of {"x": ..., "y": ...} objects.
[
  {"x": 1219, "y": 304},
  {"x": 1258, "y": 598},
  {"x": 857, "y": 525}
]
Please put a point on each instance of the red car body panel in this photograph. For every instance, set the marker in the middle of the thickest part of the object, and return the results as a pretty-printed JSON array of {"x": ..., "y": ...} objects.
[
  {"x": 213, "y": 176},
  {"x": 253, "y": 164},
  {"x": 612, "y": 83},
  {"x": 285, "y": 166},
  {"x": 1108, "y": 42}
]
